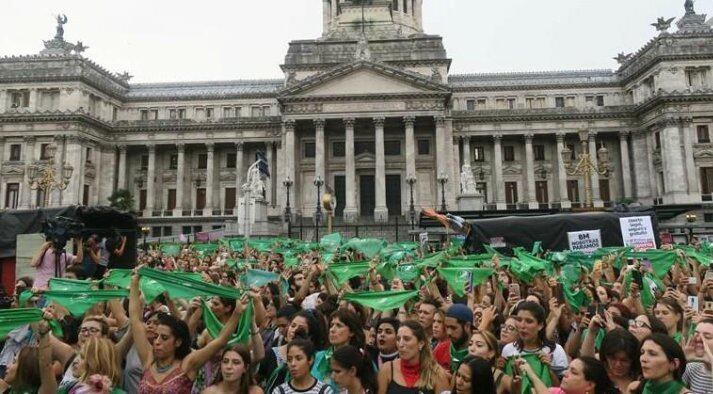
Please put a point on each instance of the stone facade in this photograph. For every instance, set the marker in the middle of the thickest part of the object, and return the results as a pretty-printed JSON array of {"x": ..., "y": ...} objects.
[{"x": 366, "y": 107}]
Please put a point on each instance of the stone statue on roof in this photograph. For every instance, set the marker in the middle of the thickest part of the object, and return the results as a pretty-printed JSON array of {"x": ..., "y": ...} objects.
[
  {"x": 689, "y": 7},
  {"x": 467, "y": 181},
  {"x": 61, "y": 21},
  {"x": 362, "y": 49},
  {"x": 662, "y": 24}
]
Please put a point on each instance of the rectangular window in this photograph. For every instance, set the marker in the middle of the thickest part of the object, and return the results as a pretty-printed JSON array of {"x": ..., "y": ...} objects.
[
  {"x": 142, "y": 199},
  {"x": 573, "y": 149},
  {"x": 470, "y": 105},
  {"x": 200, "y": 198},
  {"x": 172, "y": 114},
  {"x": 509, "y": 153},
  {"x": 20, "y": 99},
  {"x": 266, "y": 110},
  {"x": 511, "y": 193},
  {"x": 209, "y": 113},
  {"x": 153, "y": 114},
  {"x": 589, "y": 101},
  {"x": 171, "y": 200},
  {"x": 600, "y": 101},
  {"x": 424, "y": 147},
  {"x": 569, "y": 101},
  {"x": 173, "y": 162},
  {"x": 707, "y": 180},
  {"x": 529, "y": 103},
  {"x": 604, "y": 192},
  {"x": 44, "y": 154},
  {"x": 156, "y": 231},
  {"x": 114, "y": 114},
  {"x": 88, "y": 157},
  {"x": 479, "y": 153},
  {"x": 482, "y": 188},
  {"x": 231, "y": 160},
  {"x": 573, "y": 191},
  {"x": 229, "y": 198},
  {"x": 228, "y": 112},
  {"x": 338, "y": 149},
  {"x": 144, "y": 114},
  {"x": 541, "y": 192},
  {"x": 85, "y": 195},
  {"x": 559, "y": 102},
  {"x": 144, "y": 162},
  {"x": 539, "y": 151},
  {"x": 392, "y": 148},
  {"x": 200, "y": 113},
  {"x": 238, "y": 112},
  {"x": 657, "y": 140},
  {"x": 181, "y": 113},
  {"x": 310, "y": 150},
  {"x": 167, "y": 231},
  {"x": 256, "y": 112},
  {"x": 364, "y": 147},
  {"x": 703, "y": 135},
  {"x": 202, "y": 161},
  {"x": 186, "y": 230},
  {"x": 12, "y": 195},
  {"x": 708, "y": 217},
  {"x": 500, "y": 103},
  {"x": 511, "y": 103},
  {"x": 15, "y": 152},
  {"x": 197, "y": 229}
]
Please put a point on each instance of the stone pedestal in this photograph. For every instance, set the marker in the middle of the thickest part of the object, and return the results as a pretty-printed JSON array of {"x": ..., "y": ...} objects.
[
  {"x": 471, "y": 202},
  {"x": 256, "y": 218},
  {"x": 351, "y": 215},
  {"x": 381, "y": 215}
]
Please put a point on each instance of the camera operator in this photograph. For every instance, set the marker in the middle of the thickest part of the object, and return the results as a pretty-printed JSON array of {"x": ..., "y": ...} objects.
[{"x": 49, "y": 261}]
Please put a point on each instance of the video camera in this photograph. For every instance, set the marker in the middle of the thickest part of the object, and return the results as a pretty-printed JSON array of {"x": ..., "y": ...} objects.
[{"x": 59, "y": 230}]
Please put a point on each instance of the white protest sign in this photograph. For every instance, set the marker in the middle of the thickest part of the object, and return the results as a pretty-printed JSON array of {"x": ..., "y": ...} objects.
[
  {"x": 638, "y": 232},
  {"x": 585, "y": 241}
]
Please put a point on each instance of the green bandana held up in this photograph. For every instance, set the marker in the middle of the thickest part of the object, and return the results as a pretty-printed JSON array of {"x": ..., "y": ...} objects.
[
  {"x": 258, "y": 278},
  {"x": 170, "y": 249},
  {"x": 670, "y": 387},
  {"x": 180, "y": 285},
  {"x": 61, "y": 284},
  {"x": 342, "y": 272},
  {"x": 242, "y": 332},
  {"x": 541, "y": 370},
  {"x": 322, "y": 367},
  {"x": 382, "y": 300},
  {"x": 119, "y": 277},
  {"x": 78, "y": 302},
  {"x": 458, "y": 278},
  {"x": 457, "y": 357},
  {"x": 10, "y": 319}
]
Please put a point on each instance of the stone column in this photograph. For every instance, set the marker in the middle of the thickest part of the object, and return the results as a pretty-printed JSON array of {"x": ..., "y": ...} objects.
[
  {"x": 466, "y": 151},
  {"x": 410, "y": 146},
  {"x": 625, "y": 164},
  {"x": 319, "y": 151},
  {"x": 3, "y": 107},
  {"x": 151, "y": 181},
  {"x": 562, "y": 173},
  {"x": 498, "y": 184},
  {"x": 209, "y": 178},
  {"x": 418, "y": 14},
  {"x": 59, "y": 161},
  {"x": 530, "y": 172},
  {"x": 29, "y": 157},
  {"x": 290, "y": 170},
  {"x": 268, "y": 182},
  {"x": 2, "y": 159},
  {"x": 326, "y": 15},
  {"x": 656, "y": 192},
  {"x": 641, "y": 167},
  {"x": 180, "y": 178},
  {"x": 351, "y": 213},
  {"x": 239, "y": 173},
  {"x": 33, "y": 100},
  {"x": 334, "y": 9},
  {"x": 122, "y": 167},
  {"x": 596, "y": 197},
  {"x": 694, "y": 193},
  {"x": 672, "y": 158},
  {"x": 457, "y": 165},
  {"x": 441, "y": 156},
  {"x": 74, "y": 159},
  {"x": 381, "y": 212}
]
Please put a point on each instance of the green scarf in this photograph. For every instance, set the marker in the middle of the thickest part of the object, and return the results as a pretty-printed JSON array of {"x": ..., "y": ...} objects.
[
  {"x": 678, "y": 337},
  {"x": 458, "y": 278},
  {"x": 10, "y": 319},
  {"x": 242, "y": 332},
  {"x": 180, "y": 285},
  {"x": 119, "y": 277},
  {"x": 670, "y": 387},
  {"x": 170, "y": 249},
  {"x": 62, "y": 284},
  {"x": 370, "y": 247},
  {"x": 342, "y": 272},
  {"x": 541, "y": 370},
  {"x": 322, "y": 367},
  {"x": 457, "y": 357},
  {"x": 382, "y": 300},
  {"x": 78, "y": 302},
  {"x": 258, "y": 278}
]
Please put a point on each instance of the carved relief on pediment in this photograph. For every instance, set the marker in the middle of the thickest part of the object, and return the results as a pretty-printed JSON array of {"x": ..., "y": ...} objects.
[
  {"x": 198, "y": 175},
  {"x": 227, "y": 176},
  {"x": 90, "y": 170},
  {"x": 12, "y": 168},
  {"x": 365, "y": 158},
  {"x": 512, "y": 169},
  {"x": 703, "y": 151}
]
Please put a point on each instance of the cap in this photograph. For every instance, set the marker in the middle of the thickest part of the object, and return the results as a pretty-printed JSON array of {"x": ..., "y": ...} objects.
[{"x": 460, "y": 312}]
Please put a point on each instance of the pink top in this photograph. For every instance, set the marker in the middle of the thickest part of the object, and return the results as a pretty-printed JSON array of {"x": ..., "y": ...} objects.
[
  {"x": 175, "y": 383},
  {"x": 556, "y": 390},
  {"x": 45, "y": 270}
]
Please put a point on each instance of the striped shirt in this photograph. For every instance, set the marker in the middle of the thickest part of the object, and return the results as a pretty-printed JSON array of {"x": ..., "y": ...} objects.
[
  {"x": 698, "y": 378},
  {"x": 317, "y": 388}
]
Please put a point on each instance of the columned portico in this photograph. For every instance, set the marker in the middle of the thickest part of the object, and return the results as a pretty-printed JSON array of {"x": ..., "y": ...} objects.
[
  {"x": 121, "y": 183},
  {"x": 351, "y": 213}
]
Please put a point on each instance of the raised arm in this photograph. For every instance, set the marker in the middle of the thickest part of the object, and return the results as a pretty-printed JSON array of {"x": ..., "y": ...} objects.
[
  {"x": 48, "y": 383},
  {"x": 143, "y": 347}
]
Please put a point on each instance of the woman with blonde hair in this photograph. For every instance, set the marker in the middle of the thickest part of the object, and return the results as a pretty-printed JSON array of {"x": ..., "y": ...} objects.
[
  {"x": 98, "y": 368},
  {"x": 415, "y": 371},
  {"x": 483, "y": 344}
]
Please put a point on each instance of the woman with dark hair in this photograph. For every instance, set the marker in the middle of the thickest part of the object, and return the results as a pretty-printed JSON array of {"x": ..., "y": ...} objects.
[
  {"x": 415, "y": 371},
  {"x": 644, "y": 325},
  {"x": 345, "y": 328},
  {"x": 670, "y": 312},
  {"x": 300, "y": 358},
  {"x": 31, "y": 371},
  {"x": 169, "y": 365},
  {"x": 584, "y": 375},
  {"x": 474, "y": 376},
  {"x": 352, "y": 371},
  {"x": 235, "y": 373},
  {"x": 483, "y": 344},
  {"x": 619, "y": 353},
  {"x": 386, "y": 329},
  {"x": 662, "y": 365},
  {"x": 531, "y": 327}
]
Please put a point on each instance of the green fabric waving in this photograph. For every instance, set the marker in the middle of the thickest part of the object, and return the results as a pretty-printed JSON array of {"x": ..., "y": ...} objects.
[
  {"x": 382, "y": 300},
  {"x": 170, "y": 249},
  {"x": 670, "y": 387},
  {"x": 331, "y": 242},
  {"x": 541, "y": 370},
  {"x": 342, "y": 272},
  {"x": 458, "y": 278},
  {"x": 10, "y": 319},
  {"x": 180, "y": 285},
  {"x": 258, "y": 278},
  {"x": 78, "y": 302},
  {"x": 242, "y": 332},
  {"x": 370, "y": 247},
  {"x": 61, "y": 284},
  {"x": 119, "y": 277}
]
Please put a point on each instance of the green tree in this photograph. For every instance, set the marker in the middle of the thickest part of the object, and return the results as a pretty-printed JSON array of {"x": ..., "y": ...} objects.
[{"x": 122, "y": 200}]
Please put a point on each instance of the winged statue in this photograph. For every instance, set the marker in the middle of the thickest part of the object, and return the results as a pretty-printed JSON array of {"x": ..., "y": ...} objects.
[{"x": 662, "y": 24}]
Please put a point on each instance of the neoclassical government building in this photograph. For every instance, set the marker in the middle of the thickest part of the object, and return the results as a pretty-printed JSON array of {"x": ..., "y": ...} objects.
[{"x": 371, "y": 109}]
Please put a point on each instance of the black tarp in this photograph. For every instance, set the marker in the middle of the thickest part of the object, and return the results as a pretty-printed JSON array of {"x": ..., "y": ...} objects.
[{"x": 552, "y": 230}]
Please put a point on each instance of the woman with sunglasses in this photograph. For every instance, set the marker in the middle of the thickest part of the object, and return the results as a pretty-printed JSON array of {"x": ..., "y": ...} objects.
[{"x": 644, "y": 325}]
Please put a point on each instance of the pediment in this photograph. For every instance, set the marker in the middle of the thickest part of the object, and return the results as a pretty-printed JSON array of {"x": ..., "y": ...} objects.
[{"x": 362, "y": 78}]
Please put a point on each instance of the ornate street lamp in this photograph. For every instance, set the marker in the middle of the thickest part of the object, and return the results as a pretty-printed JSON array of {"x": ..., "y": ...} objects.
[
  {"x": 318, "y": 182},
  {"x": 411, "y": 180},
  {"x": 44, "y": 177},
  {"x": 690, "y": 219},
  {"x": 584, "y": 165},
  {"x": 145, "y": 231},
  {"x": 443, "y": 179},
  {"x": 288, "y": 210}
]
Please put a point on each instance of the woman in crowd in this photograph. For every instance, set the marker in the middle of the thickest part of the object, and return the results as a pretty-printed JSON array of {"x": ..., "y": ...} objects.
[
  {"x": 169, "y": 365},
  {"x": 662, "y": 365},
  {"x": 31, "y": 371},
  {"x": 352, "y": 371},
  {"x": 415, "y": 371},
  {"x": 644, "y": 325},
  {"x": 619, "y": 353},
  {"x": 300, "y": 358},
  {"x": 98, "y": 368},
  {"x": 508, "y": 332},
  {"x": 235, "y": 374},
  {"x": 670, "y": 312},
  {"x": 584, "y": 375},
  {"x": 474, "y": 376},
  {"x": 484, "y": 345},
  {"x": 531, "y": 329},
  {"x": 345, "y": 328},
  {"x": 386, "y": 330}
]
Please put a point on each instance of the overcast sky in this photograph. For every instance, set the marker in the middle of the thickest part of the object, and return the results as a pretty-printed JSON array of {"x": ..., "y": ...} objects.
[{"x": 180, "y": 40}]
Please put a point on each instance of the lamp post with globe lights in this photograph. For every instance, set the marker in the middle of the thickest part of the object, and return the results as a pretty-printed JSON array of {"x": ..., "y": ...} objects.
[
  {"x": 288, "y": 210},
  {"x": 443, "y": 179},
  {"x": 584, "y": 165},
  {"x": 44, "y": 176}
]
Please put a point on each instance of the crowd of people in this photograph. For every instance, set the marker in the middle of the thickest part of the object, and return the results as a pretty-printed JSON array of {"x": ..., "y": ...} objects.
[{"x": 283, "y": 318}]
